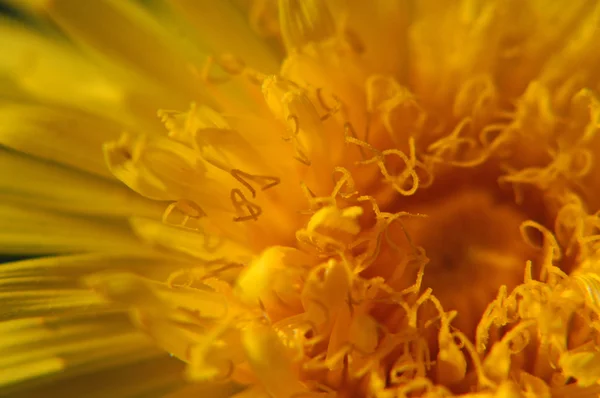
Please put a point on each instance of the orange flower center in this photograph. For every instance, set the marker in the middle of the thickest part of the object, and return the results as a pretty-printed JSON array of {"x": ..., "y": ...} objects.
[{"x": 473, "y": 242}]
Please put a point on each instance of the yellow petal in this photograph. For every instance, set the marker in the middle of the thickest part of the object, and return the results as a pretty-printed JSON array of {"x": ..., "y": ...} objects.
[
  {"x": 30, "y": 230},
  {"x": 199, "y": 244},
  {"x": 275, "y": 275},
  {"x": 271, "y": 362},
  {"x": 135, "y": 44},
  {"x": 369, "y": 22},
  {"x": 303, "y": 22},
  {"x": 54, "y": 133},
  {"x": 74, "y": 267},
  {"x": 583, "y": 366},
  {"x": 51, "y": 71},
  {"x": 144, "y": 377},
  {"x": 211, "y": 18},
  {"x": 33, "y": 347},
  {"x": 45, "y": 184},
  {"x": 140, "y": 292},
  {"x": 219, "y": 390}
]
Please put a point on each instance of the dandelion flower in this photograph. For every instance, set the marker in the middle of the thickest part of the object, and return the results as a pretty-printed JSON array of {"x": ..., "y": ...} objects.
[{"x": 300, "y": 198}]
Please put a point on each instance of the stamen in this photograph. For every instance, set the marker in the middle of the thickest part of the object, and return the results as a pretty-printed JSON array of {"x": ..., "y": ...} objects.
[
  {"x": 385, "y": 95},
  {"x": 573, "y": 164},
  {"x": 188, "y": 212},
  {"x": 496, "y": 313},
  {"x": 475, "y": 97},
  {"x": 231, "y": 64},
  {"x": 593, "y": 125},
  {"x": 451, "y": 363},
  {"x": 497, "y": 362},
  {"x": 297, "y": 145},
  {"x": 421, "y": 260},
  {"x": 206, "y": 75},
  {"x": 497, "y": 131},
  {"x": 550, "y": 247},
  {"x": 266, "y": 181},
  {"x": 330, "y": 111},
  {"x": 239, "y": 201},
  {"x": 292, "y": 119},
  {"x": 410, "y": 163},
  {"x": 447, "y": 148},
  {"x": 350, "y": 137},
  {"x": 301, "y": 157},
  {"x": 483, "y": 380},
  {"x": 345, "y": 179},
  {"x": 370, "y": 254},
  {"x": 291, "y": 104}
]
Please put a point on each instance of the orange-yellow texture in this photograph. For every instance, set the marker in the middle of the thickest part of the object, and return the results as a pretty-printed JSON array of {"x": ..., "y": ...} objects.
[{"x": 300, "y": 198}]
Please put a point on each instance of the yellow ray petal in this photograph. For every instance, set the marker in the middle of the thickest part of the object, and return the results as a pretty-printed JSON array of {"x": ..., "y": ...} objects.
[
  {"x": 205, "y": 390},
  {"x": 529, "y": 48},
  {"x": 131, "y": 39},
  {"x": 576, "y": 58},
  {"x": 41, "y": 64},
  {"x": 31, "y": 370},
  {"x": 198, "y": 244},
  {"x": 142, "y": 293},
  {"x": 74, "y": 267},
  {"x": 253, "y": 392},
  {"x": 50, "y": 70},
  {"x": 45, "y": 184},
  {"x": 226, "y": 31},
  {"x": 150, "y": 377},
  {"x": 24, "y": 229},
  {"x": 36, "y": 302},
  {"x": 59, "y": 134},
  {"x": 30, "y": 5},
  {"x": 305, "y": 21},
  {"x": 368, "y": 22},
  {"x": 573, "y": 390},
  {"x": 271, "y": 363},
  {"x": 71, "y": 344}
]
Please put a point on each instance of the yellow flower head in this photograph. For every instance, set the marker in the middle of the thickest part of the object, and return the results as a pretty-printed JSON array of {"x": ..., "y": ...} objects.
[{"x": 300, "y": 198}]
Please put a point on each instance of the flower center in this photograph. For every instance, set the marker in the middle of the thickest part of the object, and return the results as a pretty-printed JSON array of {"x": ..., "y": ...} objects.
[{"x": 474, "y": 245}]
